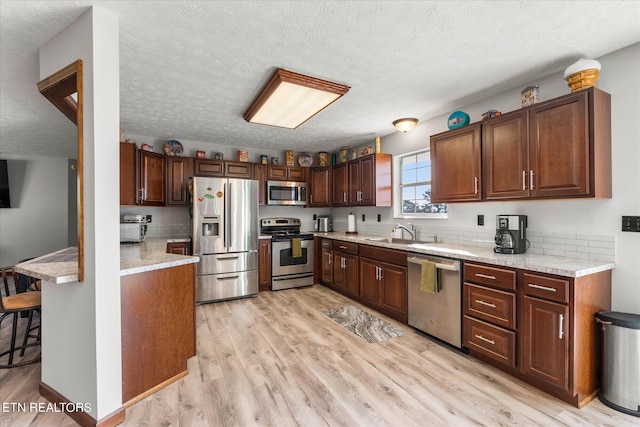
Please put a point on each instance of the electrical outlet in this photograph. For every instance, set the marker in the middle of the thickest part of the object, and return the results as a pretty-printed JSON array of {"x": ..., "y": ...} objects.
[
  {"x": 480, "y": 219},
  {"x": 362, "y": 217},
  {"x": 379, "y": 217},
  {"x": 631, "y": 223},
  {"x": 148, "y": 219}
]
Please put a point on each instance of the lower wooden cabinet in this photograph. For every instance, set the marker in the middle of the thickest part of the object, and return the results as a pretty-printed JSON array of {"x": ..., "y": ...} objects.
[
  {"x": 384, "y": 286},
  {"x": 158, "y": 329},
  {"x": 538, "y": 327},
  {"x": 545, "y": 341},
  {"x": 326, "y": 261},
  {"x": 179, "y": 248},
  {"x": 374, "y": 276},
  {"x": 345, "y": 272},
  {"x": 264, "y": 265}
]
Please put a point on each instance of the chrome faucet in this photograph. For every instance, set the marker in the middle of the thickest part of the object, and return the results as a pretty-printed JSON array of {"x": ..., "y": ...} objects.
[{"x": 411, "y": 231}]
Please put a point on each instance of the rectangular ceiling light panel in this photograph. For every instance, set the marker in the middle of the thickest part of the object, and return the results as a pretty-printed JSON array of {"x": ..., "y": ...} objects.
[{"x": 290, "y": 99}]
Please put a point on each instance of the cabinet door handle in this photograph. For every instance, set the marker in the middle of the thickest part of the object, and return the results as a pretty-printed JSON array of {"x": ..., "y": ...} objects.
[
  {"x": 480, "y": 337},
  {"x": 531, "y": 179},
  {"x": 380, "y": 274},
  {"x": 344, "y": 197},
  {"x": 377, "y": 273},
  {"x": 485, "y": 276},
  {"x": 544, "y": 288},
  {"x": 329, "y": 259},
  {"x": 311, "y": 201},
  {"x": 475, "y": 185},
  {"x": 488, "y": 304},
  {"x": 524, "y": 180},
  {"x": 343, "y": 262},
  {"x": 141, "y": 196},
  {"x": 561, "y": 327}
]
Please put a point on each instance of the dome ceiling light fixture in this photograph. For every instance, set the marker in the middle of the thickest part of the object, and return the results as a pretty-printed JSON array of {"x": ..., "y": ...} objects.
[
  {"x": 289, "y": 99},
  {"x": 406, "y": 124}
]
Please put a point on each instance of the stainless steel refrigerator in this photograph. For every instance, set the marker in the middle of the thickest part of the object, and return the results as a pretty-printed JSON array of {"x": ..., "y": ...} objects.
[{"x": 225, "y": 237}]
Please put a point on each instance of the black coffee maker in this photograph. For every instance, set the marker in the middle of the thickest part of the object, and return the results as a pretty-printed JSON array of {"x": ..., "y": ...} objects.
[{"x": 511, "y": 236}]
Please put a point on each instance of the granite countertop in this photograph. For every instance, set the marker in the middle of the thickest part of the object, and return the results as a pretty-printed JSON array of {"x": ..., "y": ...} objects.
[
  {"x": 568, "y": 267},
  {"x": 62, "y": 266}
]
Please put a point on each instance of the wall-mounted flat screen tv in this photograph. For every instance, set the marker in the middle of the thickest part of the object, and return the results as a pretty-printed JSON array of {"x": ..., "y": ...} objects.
[{"x": 5, "y": 201}]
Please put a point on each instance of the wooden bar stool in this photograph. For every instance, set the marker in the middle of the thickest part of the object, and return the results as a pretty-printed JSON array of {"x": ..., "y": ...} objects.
[{"x": 12, "y": 305}]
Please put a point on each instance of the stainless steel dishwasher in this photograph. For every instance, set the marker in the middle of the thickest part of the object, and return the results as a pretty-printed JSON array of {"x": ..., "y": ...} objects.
[{"x": 437, "y": 314}]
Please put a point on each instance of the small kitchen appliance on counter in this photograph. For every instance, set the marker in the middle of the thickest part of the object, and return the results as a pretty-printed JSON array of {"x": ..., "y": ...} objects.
[
  {"x": 323, "y": 224},
  {"x": 133, "y": 229},
  {"x": 511, "y": 236},
  {"x": 292, "y": 252}
]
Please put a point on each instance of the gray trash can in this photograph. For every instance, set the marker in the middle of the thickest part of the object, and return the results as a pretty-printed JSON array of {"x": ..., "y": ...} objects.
[{"x": 621, "y": 361}]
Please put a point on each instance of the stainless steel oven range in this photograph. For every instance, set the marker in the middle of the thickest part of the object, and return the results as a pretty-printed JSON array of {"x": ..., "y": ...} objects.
[{"x": 291, "y": 253}]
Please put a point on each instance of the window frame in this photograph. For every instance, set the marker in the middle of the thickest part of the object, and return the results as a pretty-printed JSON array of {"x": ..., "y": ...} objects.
[{"x": 397, "y": 189}]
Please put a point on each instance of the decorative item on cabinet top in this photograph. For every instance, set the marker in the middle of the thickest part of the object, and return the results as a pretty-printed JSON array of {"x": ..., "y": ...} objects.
[
  {"x": 490, "y": 114},
  {"x": 145, "y": 147},
  {"x": 323, "y": 158},
  {"x": 305, "y": 160},
  {"x": 366, "y": 151},
  {"x": 457, "y": 119},
  {"x": 243, "y": 156},
  {"x": 582, "y": 74},
  {"x": 173, "y": 148},
  {"x": 529, "y": 96},
  {"x": 201, "y": 154},
  {"x": 289, "y": 158}
]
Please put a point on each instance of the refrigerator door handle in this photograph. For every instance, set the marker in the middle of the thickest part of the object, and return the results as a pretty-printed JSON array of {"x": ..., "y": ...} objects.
[
  {"x": 226, "y": 216},
  {"x": 229, "y": 216}
]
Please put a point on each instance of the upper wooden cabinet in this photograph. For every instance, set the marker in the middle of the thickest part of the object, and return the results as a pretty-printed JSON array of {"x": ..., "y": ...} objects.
[
  {"x": 152, "y": 178},
  {"x": 260, "y": 174},
  {"x": 320, "y": 186},
  {"x": 222, "y": 168},
  {"x": 370, "y": 181},
  {"x": 286, "y": 173},
  {"x": 557, "y": 149},
  {"x": 456, "y": 165},
  {"x": 128, "y": 174},
  {"x": 142, "y": 176},
  {"x": 340, "y": 178},
  {"x": 179, "y": 170}
]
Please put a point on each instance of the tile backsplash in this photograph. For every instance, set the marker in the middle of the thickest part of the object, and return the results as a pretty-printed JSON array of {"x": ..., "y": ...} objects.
[{"x": 595, "y": 247}]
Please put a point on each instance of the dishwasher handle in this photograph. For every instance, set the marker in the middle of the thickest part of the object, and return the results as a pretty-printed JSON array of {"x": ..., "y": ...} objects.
[{"x": 451, "y": 267}]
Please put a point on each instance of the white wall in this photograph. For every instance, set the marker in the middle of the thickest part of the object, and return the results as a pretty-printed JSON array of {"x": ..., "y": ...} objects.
[
  {"x": 619, "y": 77},
  {"x": 36, "y": 224},
  {"x": 81, "y": 343}
]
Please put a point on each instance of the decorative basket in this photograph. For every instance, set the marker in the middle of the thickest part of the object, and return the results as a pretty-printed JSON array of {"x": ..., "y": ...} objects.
[{"x": 583, "y": 79}]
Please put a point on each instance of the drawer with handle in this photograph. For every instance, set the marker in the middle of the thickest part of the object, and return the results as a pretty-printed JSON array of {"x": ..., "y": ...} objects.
[
  {"x": 347, "y": 247},
  {"x": 492, "y": 305},
  {"x": 546, "y": 287},
  {"x": 497, "y": 277},
  {"x": 492, "y": 341},
  {"x": 326, "y": 243}
]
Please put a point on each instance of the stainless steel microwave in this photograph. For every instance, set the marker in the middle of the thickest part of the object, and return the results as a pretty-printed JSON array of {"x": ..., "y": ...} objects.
[{"x": 286, "y": 193}]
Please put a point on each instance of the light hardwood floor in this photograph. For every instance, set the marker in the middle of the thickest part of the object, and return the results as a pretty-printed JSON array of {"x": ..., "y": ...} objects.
[{"x": 276, "y": 360}]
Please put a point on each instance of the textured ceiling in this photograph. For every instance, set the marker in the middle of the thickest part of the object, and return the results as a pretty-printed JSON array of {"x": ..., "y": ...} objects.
[{"x": 189, "y": 69}]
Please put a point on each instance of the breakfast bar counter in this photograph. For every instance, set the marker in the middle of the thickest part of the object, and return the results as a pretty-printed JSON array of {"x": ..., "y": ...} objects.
[{"x": 62, "y": 266}]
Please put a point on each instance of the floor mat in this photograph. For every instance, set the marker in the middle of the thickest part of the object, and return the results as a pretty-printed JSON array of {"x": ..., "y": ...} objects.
[{"x": 365, "y": 325}]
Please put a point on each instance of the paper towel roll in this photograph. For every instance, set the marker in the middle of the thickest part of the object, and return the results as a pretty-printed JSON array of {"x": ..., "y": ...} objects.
[{"x": 351, "y": 223}]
